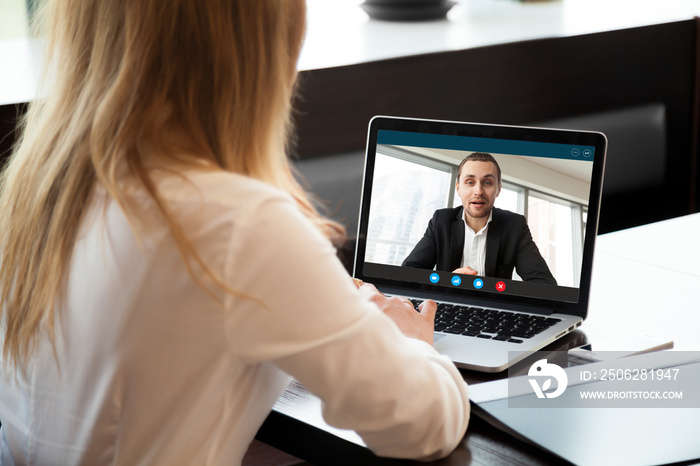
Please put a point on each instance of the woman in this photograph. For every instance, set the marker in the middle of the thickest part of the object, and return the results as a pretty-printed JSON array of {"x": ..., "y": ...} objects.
[{"x": 162, "y": 271}]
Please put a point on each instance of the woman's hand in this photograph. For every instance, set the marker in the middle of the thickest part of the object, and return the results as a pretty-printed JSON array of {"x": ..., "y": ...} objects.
[{"x": 420, "y": 325}]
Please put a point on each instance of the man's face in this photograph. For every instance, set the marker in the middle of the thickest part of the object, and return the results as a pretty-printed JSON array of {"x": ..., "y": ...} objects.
[{"x": 478, "y": 187}]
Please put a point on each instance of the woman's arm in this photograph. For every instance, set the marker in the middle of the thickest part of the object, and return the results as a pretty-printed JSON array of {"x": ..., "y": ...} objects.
[{"x": 398, "y": 393}]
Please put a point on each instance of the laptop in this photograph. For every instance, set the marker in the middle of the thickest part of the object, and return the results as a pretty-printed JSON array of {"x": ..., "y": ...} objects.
[{"x": 517, "y": 285}]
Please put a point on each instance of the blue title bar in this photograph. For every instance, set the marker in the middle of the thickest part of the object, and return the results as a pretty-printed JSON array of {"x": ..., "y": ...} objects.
[{"x": 495, "y": 146}]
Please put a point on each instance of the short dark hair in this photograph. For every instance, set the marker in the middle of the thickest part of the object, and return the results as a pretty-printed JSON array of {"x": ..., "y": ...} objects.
[{"x": 479, "y": 157}]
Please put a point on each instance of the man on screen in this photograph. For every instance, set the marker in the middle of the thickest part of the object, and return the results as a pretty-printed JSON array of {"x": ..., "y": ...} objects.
[{"x": 477, "y": 238}]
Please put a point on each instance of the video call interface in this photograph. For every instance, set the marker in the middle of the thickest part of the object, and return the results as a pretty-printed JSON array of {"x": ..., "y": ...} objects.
[{"x": 533, "y": 244}]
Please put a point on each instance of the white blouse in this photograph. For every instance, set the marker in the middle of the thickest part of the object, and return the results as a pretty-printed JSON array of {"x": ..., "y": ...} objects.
[{"x": 154, "y": 370}]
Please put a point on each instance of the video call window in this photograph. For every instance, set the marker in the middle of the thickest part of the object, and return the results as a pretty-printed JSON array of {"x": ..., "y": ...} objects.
[{"x": 410, "y": 183}]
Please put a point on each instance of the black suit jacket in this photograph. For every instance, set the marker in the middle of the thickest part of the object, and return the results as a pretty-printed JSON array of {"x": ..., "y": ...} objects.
[{"x": 509, "y": 246}]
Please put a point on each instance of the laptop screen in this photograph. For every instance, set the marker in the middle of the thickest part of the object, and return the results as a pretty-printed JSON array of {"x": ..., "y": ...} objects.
[{"x": 480, "y": 211}]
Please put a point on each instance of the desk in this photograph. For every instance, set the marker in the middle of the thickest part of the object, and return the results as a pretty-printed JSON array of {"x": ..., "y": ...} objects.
[
  {"x": 339, "y": 33},
  {"x": 645, "y": 279},
  {"x": 651, "y": 273}
]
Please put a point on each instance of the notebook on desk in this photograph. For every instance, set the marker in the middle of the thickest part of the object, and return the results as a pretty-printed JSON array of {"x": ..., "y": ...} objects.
[{"x": 503, "y": 291}]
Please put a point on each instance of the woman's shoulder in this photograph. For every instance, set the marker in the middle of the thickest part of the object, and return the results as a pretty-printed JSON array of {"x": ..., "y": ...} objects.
[{"x": 217, "y": 187}]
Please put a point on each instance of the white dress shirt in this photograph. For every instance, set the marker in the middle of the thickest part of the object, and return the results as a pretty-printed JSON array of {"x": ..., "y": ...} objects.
[
  {"x": 154, "y": 370},
  {"x": 474, "y": 254}
]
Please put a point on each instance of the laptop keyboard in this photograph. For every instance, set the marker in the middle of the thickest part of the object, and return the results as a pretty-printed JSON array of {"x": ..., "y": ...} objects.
[{"x": 491, "y": 324}]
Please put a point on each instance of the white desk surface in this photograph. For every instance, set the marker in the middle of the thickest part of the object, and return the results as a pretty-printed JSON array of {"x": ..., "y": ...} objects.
[
  {"x": 647, "y": 280},
  {"x": 340, "y": 33}
]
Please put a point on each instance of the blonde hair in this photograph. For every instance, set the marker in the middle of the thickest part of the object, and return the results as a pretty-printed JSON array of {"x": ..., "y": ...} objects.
[{"x": 123, "y": 74}]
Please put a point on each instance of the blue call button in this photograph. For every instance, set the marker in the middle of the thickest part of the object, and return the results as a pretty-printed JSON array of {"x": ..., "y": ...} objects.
[{"x": 434, "y": 278}]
